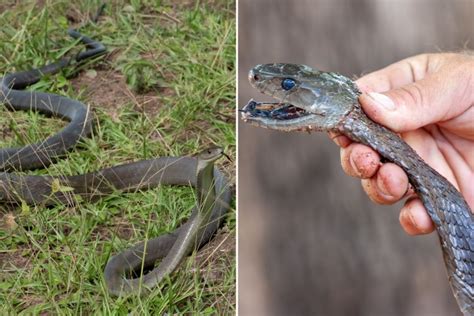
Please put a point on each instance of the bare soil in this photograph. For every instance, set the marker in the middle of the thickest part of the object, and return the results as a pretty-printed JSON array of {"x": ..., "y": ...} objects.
[{"x": 108, "y": 90}]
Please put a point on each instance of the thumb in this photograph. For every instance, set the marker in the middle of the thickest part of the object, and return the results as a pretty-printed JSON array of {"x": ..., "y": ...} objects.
[{"x": 438, "y": 97}]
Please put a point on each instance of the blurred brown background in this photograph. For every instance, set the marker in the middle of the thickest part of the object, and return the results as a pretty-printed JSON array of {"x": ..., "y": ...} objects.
[{"x": 310, "y": 241}]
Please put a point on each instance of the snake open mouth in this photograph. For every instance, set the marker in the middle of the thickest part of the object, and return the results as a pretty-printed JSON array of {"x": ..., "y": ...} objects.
[{"x": 271, "y": 110}]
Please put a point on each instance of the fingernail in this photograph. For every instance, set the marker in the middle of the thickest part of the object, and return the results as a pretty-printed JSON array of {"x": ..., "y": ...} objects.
[
  {"x": 336, "y": 140},
  {"x": 382, "y": 187},
  {"x": 382, "y": 100},
  {"x": 407, "y": 222},
  {"x": 414, "y": 223},
  {"x": 354, "y": 166}
]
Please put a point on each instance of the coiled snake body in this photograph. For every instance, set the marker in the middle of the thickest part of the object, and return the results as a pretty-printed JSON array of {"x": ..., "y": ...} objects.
[
  {"x": 325, "y": 101},
  {"x": 212, "y": 188}
]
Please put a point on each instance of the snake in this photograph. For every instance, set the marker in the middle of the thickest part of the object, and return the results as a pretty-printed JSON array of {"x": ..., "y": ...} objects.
[
  {"x": 313, "y": 100},
  {"x": 77, "y": 114},
  {"x": 212, "y": 189}
]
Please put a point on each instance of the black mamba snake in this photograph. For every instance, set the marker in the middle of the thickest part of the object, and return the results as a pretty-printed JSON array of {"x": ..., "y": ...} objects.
[
  {"x": 326, "y": 101},
  {"x": 212, "y": 188}
]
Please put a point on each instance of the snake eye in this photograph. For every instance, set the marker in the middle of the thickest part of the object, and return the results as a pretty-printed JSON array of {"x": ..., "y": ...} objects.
[{"x": 288, "y": 84}]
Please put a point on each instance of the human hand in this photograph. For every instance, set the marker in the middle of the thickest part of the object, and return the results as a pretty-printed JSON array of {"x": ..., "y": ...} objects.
[{"x": 429, "y": 100}]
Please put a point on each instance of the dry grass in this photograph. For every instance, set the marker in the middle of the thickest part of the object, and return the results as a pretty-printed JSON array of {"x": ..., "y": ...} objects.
[{"x": 166, "y": 88}]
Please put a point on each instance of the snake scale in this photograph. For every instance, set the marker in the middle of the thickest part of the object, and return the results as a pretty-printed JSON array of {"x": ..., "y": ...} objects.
[
  {"x": 326, "y": 101},
  {"x": 212, "y": 188}
]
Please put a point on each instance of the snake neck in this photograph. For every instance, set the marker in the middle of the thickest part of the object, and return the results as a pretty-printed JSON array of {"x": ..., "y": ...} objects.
[{"x": 205, "y": 190}]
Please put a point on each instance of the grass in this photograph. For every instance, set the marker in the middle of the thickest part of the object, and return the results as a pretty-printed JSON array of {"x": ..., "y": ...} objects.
[{"x": 166, "y": 88}]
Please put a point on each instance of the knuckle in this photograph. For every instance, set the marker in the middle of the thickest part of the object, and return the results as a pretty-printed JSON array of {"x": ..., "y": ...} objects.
[{"x": 412, "y": 95}]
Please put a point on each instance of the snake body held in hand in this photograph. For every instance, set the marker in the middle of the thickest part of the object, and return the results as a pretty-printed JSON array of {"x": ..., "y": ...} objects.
[
  {"x": 212, "y": 188},
  {"x": 325, "y": 101}
]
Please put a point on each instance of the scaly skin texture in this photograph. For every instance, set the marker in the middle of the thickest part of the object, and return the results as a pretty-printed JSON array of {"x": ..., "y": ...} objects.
[
  {"x": 80, "y": 119},
  {"x": 213, "y": 196},
  {"x": 325, "y": 101},
  {"x": 213, "y": 188}
]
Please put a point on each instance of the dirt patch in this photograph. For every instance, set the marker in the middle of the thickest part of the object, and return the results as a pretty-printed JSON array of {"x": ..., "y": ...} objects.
[
  {"x": 19, "y": 258},
  {"x": 215, "y": 258},
  {"x": 107, "y": 89},
  {"x": 6, "y": 133},
  {"x": 214, "y": 262},
  {"x": 119, "y": 227},
  {"x": 7, "y": 5},
  {"x": 123, "y": 229},
  {"x": 31, "y": 300}
]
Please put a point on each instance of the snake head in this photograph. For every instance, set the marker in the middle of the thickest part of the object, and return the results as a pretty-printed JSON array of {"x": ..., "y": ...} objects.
[
  {"x": 210, "y": 155},
  {"x": 308, "y": 99}
]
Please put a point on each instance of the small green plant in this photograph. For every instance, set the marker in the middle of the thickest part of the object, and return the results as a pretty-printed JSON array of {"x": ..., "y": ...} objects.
[
  {"x": 167, "y": 88},
  {"x": 141, "y": 75}
]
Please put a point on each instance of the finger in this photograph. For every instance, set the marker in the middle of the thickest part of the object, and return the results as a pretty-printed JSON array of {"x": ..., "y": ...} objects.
[
  {"x": 430, "y": 151},
  {"x": 359, "y": 161},
  {"x": 396, "y": 75},
  {"x": 340, "y": 140},
  {"x": 438, "y": 97},
  {"x": 457, "y": 155},
  {"x": 414, "y": 218},
  {"x": 388, "y": 186}
]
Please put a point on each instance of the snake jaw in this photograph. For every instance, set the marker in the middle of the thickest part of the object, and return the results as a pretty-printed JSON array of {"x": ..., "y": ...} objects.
[
  {"x": 271, "y": 110},
  {"x": 279, "y": 116}
]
